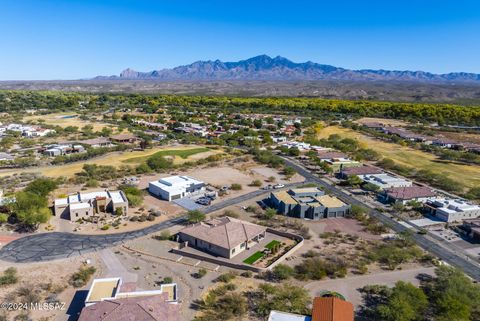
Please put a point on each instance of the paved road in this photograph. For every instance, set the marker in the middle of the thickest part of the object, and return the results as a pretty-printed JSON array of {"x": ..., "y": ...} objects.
[
  {"x": 439, "y": 247},
  {"x": 57, "y": 245}
]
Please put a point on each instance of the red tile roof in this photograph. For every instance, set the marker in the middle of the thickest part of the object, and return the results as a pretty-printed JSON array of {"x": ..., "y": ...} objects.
[
  {"x": 362, "y": 170},
  {"x": 331, "y": 309},
  {"x": 330, "y": 155},
  {"x": 149, "y": 308},
  {"x": 409, "y": 192}
]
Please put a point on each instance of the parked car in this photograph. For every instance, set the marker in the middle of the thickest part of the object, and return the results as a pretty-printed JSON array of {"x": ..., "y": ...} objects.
[
  {"x": 204, "y": 201},
  {"x": 278, "y": 186}
]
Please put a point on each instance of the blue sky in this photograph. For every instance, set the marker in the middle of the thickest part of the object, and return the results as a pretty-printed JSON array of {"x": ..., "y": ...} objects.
[{"x": 54, "y": 39}]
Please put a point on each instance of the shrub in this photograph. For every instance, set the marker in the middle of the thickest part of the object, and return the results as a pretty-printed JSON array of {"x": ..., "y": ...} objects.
[
  {"x": 159, "y": 163},
  {"x": 247, "y": 274},
  {"x": 3, "y": 218},
  {"x": 269, "y": 213},
  {"x": 253, "y": 209},
  {"x": 201, "y": 273},
  {"x": 167, "y": 280},
  {"x": 105, "y": 227},
  {"x": 236, "y": 187},
  {"x": 282, "y": 272},
  {"x": 256, "y": 183},
  {"x": 195, "y": 216},
  {"x": 133, "y": 194},
  {"x": 91, "y": 183},
  {"x": 230, "y": 213},
  {"x": 316, "y": 269},
  {"x": 164, "y": 235},
  {"x": 226, "y": 277},
  {"x": 82, "y": 276},
  {"x": 9, "y": 276}
]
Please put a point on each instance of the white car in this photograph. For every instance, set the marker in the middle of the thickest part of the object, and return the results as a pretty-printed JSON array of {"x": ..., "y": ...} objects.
[{"x": 278, "y": 186}]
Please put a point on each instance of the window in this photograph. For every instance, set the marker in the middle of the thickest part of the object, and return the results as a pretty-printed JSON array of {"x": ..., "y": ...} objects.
[
  {"x": 242, "y": 245},
  {"x": 233, "y": 251}
]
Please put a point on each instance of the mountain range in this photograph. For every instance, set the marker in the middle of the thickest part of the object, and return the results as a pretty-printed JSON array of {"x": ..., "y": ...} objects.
[{"x": 265, "y": 68}]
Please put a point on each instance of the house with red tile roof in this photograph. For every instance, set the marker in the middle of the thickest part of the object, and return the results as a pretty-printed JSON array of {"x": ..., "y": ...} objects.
[
  {"x": 406, "y": 194},
  {"x": 323, "y": 309},
  {"x": 331, "y": 309}
]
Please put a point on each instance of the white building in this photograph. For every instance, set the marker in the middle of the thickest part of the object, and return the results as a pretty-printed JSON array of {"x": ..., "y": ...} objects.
[
  {"x": 175, "y": 187},
  {"x": 113, "y": 288},
  {"x": 285, "y": 316},
  {"x": 84, "y": 205},
  {"x": 6, "y": 157},
  {"x": 63, "y": 149},
  {"x": 384, "y": 180},
  {"x": 27, "y": 130},
  {"x": 452, "y": 210},
  {"x": 295, "y": 144},
  {"x": 279, "y": 139}
]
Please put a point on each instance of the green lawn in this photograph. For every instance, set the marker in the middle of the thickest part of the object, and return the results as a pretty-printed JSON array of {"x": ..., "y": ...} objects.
[
  {"x": 253, "y": 258},
  {"x": 272, "y": 244},
  {"x": 183, "y": 153}
]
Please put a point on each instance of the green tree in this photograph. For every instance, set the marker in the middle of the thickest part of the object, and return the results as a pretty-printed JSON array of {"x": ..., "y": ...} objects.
[
  {"x": 454, "y": 295},
  {"x": 158, "y": 163},
  {"x": 41, "y": 186},
  {"x": 405, "y": 303},
  {"x": 286, "y": 298},
  {"x": 133, "y": 194},
  {"x": 354, "y": 181},
  {"x": 31, "y": 209},
  {"x": 195, "y": 216},
  {"x": 282, "y": 272},
  {"x": 270, "y": 213},
  {"x": 289, "y": 171},
  {"x": 294, "y": 151}
]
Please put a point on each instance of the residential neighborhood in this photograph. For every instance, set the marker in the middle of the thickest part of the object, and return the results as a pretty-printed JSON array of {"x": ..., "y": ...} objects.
[{"x": 239, "y": 160}]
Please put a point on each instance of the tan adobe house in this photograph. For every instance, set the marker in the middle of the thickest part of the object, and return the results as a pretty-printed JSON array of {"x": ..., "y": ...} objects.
[
  {"x": 85, "y": 205},
  {"x": 224, "y": 236}
]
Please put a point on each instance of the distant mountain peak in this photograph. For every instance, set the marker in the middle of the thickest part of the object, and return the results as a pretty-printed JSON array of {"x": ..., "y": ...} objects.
[{"x": 264, "y": 67}]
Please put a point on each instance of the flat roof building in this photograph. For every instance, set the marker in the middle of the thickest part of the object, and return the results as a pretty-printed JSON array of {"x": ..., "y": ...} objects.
[
  {"x": 224, "y": 236},
  {"x": 285, "y": 316},
  {"x": 108, "y": 299},
  {"x": 361, "y": 170},
  {"x": 309, "y": 203},
  {"x": 452, "y": 210},
  {"x": 384, "y": 180},
  {"x": 84, "y": 205},
  {"x": 175, "y": 187}
]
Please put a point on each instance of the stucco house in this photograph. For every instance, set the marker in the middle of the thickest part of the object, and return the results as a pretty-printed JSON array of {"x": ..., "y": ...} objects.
[
  {"x": 224, "y": 236},
  {"x": 85, "y": 205}
]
